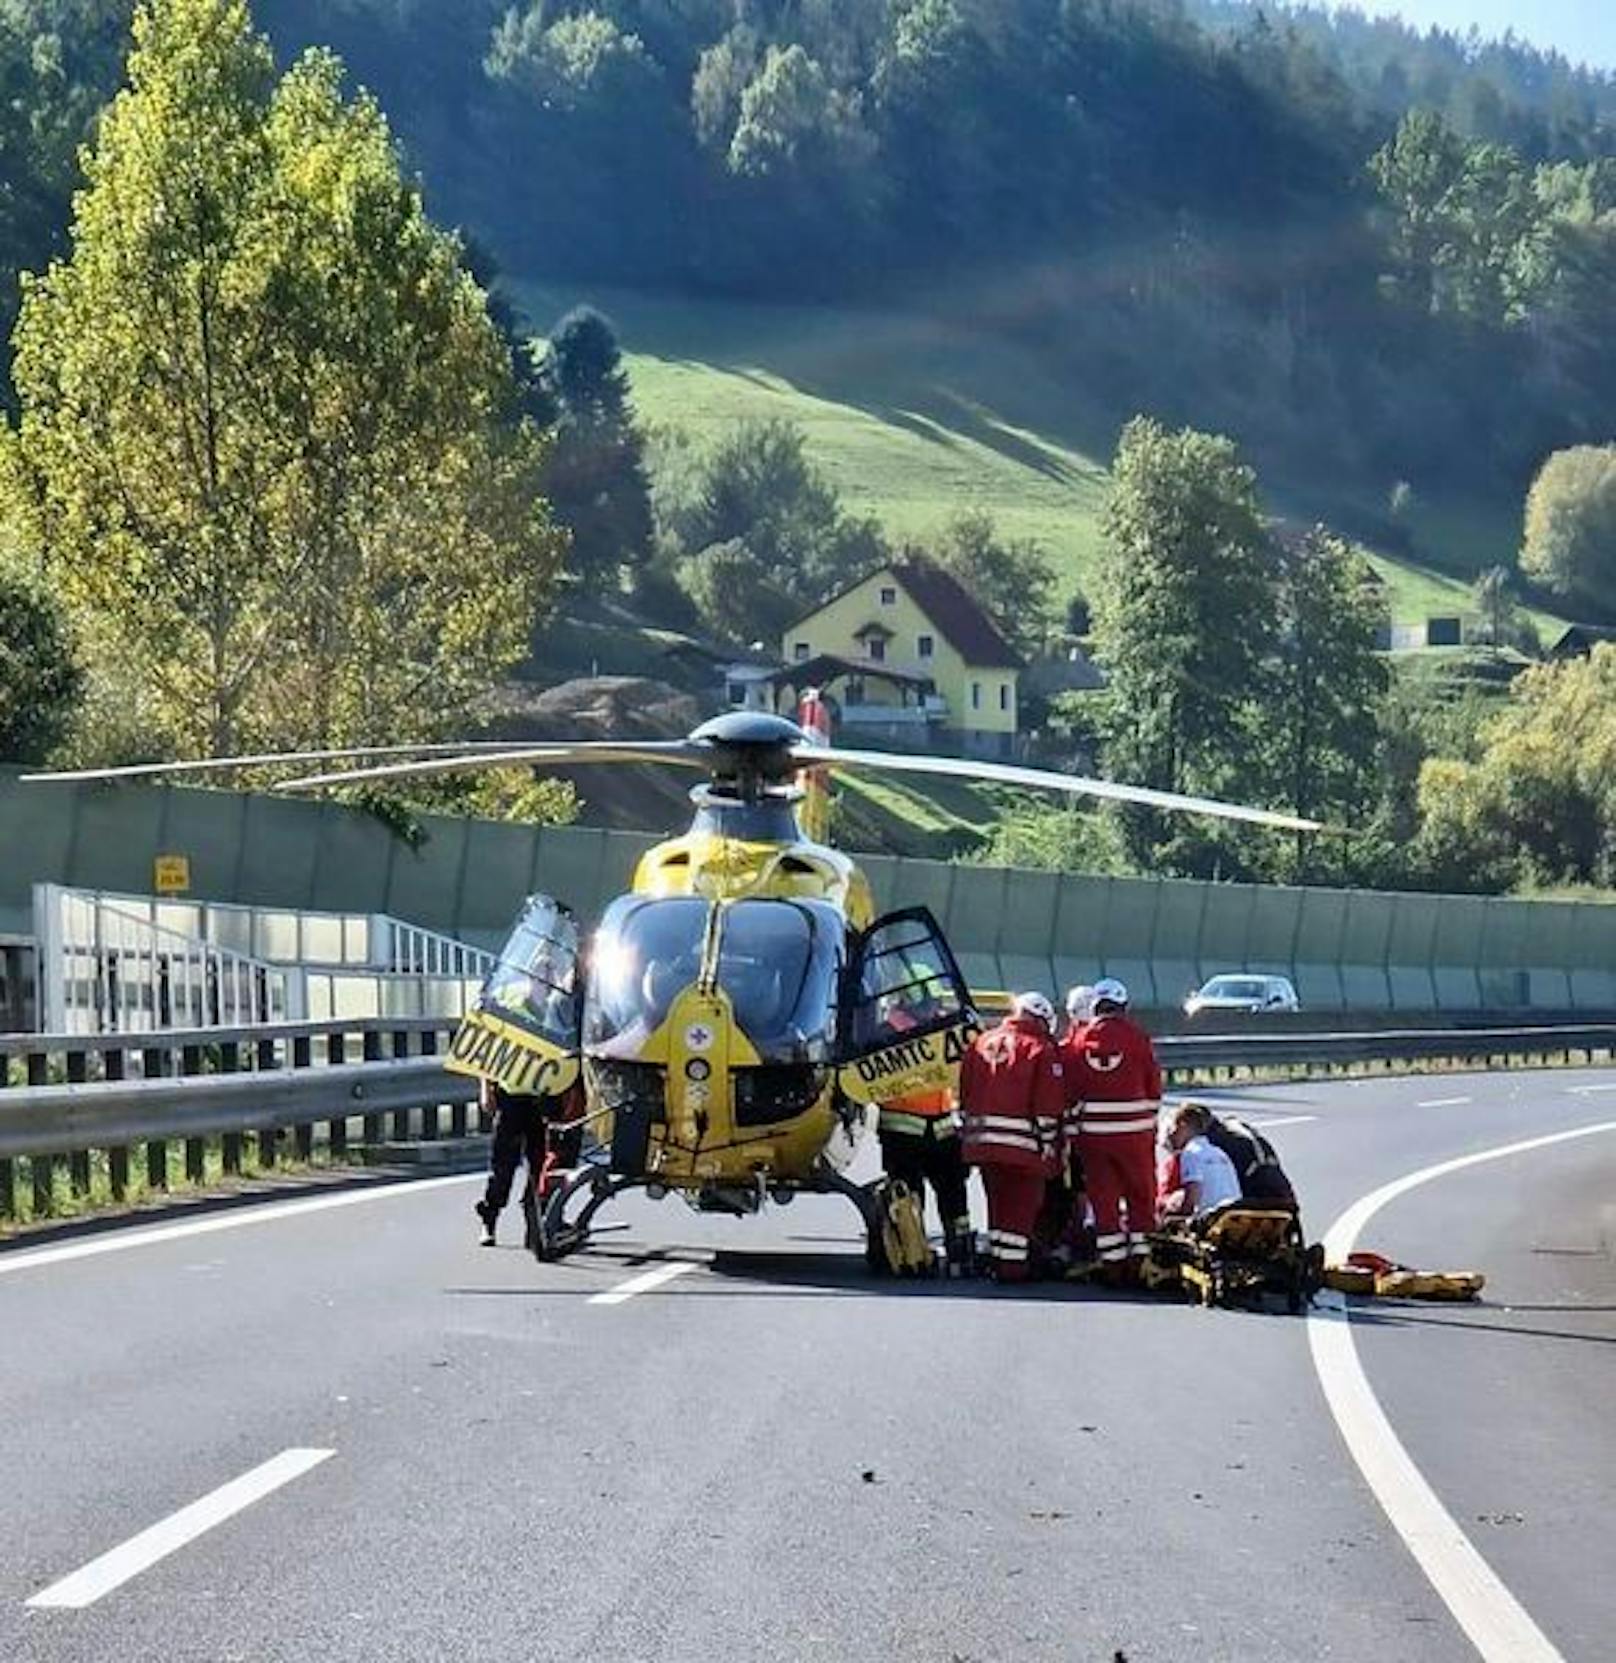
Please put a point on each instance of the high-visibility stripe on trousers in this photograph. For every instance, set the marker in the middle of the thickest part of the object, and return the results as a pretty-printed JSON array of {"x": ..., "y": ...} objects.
[
  {"x": 1014, "y": 1197},
  {"x": 1119, "y": 1173}
]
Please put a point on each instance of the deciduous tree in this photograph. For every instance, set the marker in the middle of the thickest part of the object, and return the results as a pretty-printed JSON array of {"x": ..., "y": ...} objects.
[
  {"x": 1570, "y": 542},
  {"x": 269, "y": 443},
  {"x": 1013, "y": 580}
]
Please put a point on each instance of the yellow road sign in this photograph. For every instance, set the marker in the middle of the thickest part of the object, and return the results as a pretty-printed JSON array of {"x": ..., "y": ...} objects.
[{"x": 171, "y": 874}]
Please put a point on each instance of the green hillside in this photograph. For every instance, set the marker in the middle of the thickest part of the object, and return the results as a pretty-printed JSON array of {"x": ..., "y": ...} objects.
[{"x": 914, "y": 421}]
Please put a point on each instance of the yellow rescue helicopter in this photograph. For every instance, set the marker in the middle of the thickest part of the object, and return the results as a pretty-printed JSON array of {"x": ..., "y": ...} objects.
[{"x": 736, "y": 1017}]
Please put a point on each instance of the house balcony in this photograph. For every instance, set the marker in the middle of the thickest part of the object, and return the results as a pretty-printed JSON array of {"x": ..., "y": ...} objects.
[{"x": 895, "y": 716}]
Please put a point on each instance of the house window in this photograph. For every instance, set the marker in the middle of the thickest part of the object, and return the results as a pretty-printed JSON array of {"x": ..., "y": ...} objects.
[
  {"x": 889, "y": 596},
  {"x": 976, "y": 695},
  {"x": 855, "y": 689},
  {"x": 799, "y": 650},
  {"x": 877, "y": 649},
  {"x": 1004, "y": 696},
  {"x": 927, "y": 645}
]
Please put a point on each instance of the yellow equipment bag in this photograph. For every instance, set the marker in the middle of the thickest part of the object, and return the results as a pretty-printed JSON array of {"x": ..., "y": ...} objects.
[
  {"x": 1349, "y": 1279},
  {"x": 903, "y": 1232},
  {"x": 1373, "y": 1273},
  {"x": 1430, "y": 1284}
]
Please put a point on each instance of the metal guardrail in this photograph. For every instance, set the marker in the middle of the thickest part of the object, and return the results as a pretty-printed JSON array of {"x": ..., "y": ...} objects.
[
  {"x": 77, "y": 1093},
  {"x": 1197, "y": 1053},
  {"x": 366, "y": 1082}
]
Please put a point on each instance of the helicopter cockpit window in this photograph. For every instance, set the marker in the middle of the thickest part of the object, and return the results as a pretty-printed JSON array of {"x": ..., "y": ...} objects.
[
  {"x": 534, "y": 982},
  {"x": 907, "y": 984},
  {"x": 780, "y": 962},
  {"x": 645, "y": 954}
]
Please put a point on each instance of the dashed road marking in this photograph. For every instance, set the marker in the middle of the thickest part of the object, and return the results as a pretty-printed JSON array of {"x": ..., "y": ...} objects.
[
  {"x": 1442, "y": 1102},
  {"x": 644, "y": 1282},
  {"x": 121, "y": 1241},
  {"x": 1495, "y": 1621},
  {"x": 1588, "y": 1091},
  {"x": 113, "y": 1569},
  {"x": 1262, "y": 1123}
]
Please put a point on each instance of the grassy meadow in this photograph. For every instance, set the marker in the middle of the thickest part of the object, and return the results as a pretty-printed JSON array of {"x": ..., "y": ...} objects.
[{"x": 913, "y": 421}]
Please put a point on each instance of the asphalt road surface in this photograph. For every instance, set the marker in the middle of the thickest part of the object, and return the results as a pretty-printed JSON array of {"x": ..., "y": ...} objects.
[{"x": 319, "y": 1431}]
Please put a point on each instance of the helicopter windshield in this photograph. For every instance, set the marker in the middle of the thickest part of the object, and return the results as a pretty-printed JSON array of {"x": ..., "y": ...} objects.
[{"x": 779, "y": 961}]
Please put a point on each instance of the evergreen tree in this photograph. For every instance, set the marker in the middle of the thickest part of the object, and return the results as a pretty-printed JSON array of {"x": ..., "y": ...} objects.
[
  {"x": 595, "y": 475},
  {"x": 1324, "y": 687},
  {"x": 40, "y": 679},
  {"x": 1184, "y": 616}
]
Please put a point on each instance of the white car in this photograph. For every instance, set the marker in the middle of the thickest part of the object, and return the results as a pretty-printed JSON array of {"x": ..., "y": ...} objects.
[{"x": 1251, "y": 994}]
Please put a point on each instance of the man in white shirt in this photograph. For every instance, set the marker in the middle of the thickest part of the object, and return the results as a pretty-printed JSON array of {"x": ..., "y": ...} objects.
[{"x": 1206, "y": 1176}]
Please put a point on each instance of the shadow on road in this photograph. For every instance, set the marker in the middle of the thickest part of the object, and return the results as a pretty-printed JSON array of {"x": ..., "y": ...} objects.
[{"x": 1410, "y": 1316}]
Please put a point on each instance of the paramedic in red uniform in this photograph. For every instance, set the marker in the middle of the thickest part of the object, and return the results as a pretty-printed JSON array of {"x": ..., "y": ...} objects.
[
  {"x": 1012, "y": 1101},
  {"x": 1114, "y": 1080}
]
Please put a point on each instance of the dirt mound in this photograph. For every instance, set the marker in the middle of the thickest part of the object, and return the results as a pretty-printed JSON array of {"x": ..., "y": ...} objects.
[{"x": 593, "y": 707}]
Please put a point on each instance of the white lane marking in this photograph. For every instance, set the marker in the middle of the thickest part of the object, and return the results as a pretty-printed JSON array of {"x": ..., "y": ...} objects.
[
  {"x": 1495, "y": 1621},
  {"x": 120, "y": 1241},
  {"x": 644, "y": 1282},
  {"x": 1588, "y": 1091},
  {"x": 84, "y": 1587},
  {"x": 1263, "y": 1123},
  {"x": 1442, "y": 1102}
]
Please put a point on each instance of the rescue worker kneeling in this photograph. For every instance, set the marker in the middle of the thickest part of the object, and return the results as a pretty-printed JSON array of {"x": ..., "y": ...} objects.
[
  {"x": 1013, "y": 1099},
  {"x": 1205, "y": 1176}
]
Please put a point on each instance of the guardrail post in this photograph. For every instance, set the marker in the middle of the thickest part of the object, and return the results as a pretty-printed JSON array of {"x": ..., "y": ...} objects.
[
  {"x": 196, "y": 1149},
  {"x": 8, "y": 1170},
  {"x": 372, "y": 1051},
  {"x": 118, "y": 1157},
  {"x": 336, "y": 1054},
  {"x": 401, "y": 1117},
  {"x": 41, "y": 1168},
  {"x": 78, "y": 1161}
]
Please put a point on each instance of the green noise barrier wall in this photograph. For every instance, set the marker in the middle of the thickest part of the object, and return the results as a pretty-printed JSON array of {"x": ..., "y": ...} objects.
[{"x": 1345, "y": 949}]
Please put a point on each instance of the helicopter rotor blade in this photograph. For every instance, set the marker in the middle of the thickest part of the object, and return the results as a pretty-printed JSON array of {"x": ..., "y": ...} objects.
[
  {"x": 268, "y": 759},
  {"x": 1043, "y": 779},
  {"x": 679, "y": 752}
]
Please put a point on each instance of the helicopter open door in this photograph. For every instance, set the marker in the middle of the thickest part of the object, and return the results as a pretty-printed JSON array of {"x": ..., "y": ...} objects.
[
  {"x": 906, "y": 1016},
  {"x": 523, "y": 1029}
]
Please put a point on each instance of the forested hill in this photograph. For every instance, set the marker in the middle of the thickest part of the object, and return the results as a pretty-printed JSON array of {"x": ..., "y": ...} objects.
[{"x": 1225, "y": 215}]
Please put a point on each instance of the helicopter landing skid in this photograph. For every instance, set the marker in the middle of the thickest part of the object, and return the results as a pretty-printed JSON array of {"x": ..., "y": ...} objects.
[{"x": 551, "y": 1235}]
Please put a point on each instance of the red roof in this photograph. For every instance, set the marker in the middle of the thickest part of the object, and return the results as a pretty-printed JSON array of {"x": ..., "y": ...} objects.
[{"x": 970, "y": 631}]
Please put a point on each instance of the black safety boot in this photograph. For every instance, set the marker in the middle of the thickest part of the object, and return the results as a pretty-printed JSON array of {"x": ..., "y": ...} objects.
[{"x": 487, "y": 1214}]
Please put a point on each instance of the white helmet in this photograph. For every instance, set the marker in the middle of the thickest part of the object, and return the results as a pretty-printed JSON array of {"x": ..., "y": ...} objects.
[
  {"x": 1109, "y": 991},
  {"x": 1035, "y": 1004},
  {"x": 1079, "y": 1001}
]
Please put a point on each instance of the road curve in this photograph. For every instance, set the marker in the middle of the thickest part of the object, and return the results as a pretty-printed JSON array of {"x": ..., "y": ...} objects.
[{"x": 753, "y": 1451}]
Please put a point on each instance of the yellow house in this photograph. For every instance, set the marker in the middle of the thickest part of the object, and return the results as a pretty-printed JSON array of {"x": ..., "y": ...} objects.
[{"x": 907, "y": 655}]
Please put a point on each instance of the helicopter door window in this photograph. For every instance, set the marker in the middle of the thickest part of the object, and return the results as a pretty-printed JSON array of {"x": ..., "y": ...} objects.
[
  {"x": 534, "y": 982},
  {"x": 907, "y": 982}
]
